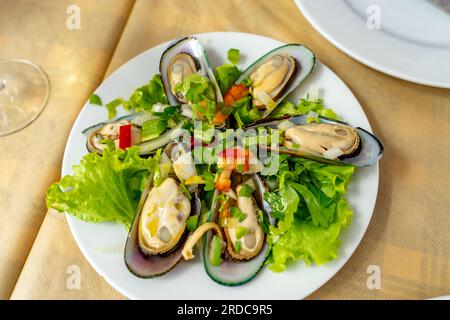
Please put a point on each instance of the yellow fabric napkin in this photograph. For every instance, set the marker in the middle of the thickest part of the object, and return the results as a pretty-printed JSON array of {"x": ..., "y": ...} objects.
[{"x": 407, "y": 240}]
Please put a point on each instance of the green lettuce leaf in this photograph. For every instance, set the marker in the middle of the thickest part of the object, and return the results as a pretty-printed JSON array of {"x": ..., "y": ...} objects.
[
  {"x": 103, "y": 187},
  {"x": 151, "y": 129},
  {"x": 309, "y": 243},
  {"x": 145, "y": 97},
  {"x": 307, "y": 198},
  {"x": 142, "y": 99},
  {"x": 112, "y": 107},
  {"x": 228, "y": 73},
  {"x": 303, "y": 107},
  {"x": 285, "y": 108},
  {"x": 199, "y": 91}
]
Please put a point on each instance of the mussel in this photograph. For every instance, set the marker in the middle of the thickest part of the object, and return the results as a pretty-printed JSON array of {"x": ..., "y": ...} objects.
[
  {"x": 180, "y": 66},
  {"x": 326, "y": 140},
  {"x": 158, "y": 233},
  {"x": 182, "y": 58},
  {"x": 240, "y": 219},
  {"x": 276, "y": 74},
  {"x": 100, "y": 135}
]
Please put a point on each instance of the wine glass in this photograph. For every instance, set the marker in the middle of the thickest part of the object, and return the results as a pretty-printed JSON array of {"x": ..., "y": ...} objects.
[{"x": 24, "y": 91}]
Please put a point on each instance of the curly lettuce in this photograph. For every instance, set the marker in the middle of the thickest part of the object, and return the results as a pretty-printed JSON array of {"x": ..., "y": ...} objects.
[
  {"x": 103, "y": 187},
  {"x": 308, "y": 201},
  {"x": 145, "y": 97},
  {"x": 228, "y": 73},
  {"x": 142, "y": 99},
  {"x": 199, "y": 91},
  {"x": 304, "y": 106}
]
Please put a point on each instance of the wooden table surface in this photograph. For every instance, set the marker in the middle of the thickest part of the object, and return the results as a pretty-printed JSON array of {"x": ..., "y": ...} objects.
[{"x": 408, "y": 237}]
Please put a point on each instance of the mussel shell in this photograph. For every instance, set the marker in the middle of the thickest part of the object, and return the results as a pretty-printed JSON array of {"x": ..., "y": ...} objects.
[
  {"x": 92, "y": 129},
  {"x": 148, "y": 266},
  {"x": 304, "y": 58},
  {"x": 146, "y": 148},
  {"x": 368, "y": 153},
  {"x": 233, "y": 272},
  {"x": 192, "y": 46}
]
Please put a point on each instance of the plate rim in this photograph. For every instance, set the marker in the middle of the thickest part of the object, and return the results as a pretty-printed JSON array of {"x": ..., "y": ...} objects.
[
  {"x": 86, "y": 253},
  {"x": 309, "y": 16}
]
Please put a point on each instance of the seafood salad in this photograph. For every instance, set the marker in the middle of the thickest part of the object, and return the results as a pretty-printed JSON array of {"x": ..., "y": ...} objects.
[{"x": 217, "y": 163}]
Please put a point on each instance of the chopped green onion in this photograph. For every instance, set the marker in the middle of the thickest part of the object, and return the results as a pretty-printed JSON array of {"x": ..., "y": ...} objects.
[
  {"x": 152, "y": 129},
  {"x": 233, "y": 56},
  {"x": 264, "y": 221},
  {"x": 246, "y": 191},
  {"x": 95, "y": 99},
  {"x": 215, "y": 252},
  {"x": 109, "y": 144},
  {"x": 312, "y": 119},
  {"x": 240, "y": 167},
  {"x": 238, "y": 246},
  {"x": 238, "y": 214},
  {"x": 186, "y": 191},
  {"x": 254, "y": 114},
  {"x": 192, "y": 223},
  {"x": 223, "y": 198},
  {"x": 111, "y": 107},
  {"x": 241, "y": 231},
  {"x": 247, "y": 82}
]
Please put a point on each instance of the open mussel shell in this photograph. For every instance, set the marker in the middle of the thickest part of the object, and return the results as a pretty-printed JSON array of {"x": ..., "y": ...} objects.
[
  {"x": 91, "y": 131},
  {"x": 368, "y": 152},
  {"x": 146, "y": 265},
  {"x": 233, "y": 272},
  {"x": 303, "y": 63},
  {"x": 146, "y": 148},
  {"x": 184, "y": 57}
]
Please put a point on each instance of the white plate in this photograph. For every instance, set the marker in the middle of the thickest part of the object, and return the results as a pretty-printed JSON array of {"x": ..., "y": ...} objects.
[
  {"x": 413, "y": 42},
  {"x": 102, "y": 244},
  {"x": 440, "y": 298}
]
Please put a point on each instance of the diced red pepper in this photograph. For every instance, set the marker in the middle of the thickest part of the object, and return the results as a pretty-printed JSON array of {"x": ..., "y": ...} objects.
[
  {"x": 125, "y": 136},
  {"x": 247, "y": 160}
]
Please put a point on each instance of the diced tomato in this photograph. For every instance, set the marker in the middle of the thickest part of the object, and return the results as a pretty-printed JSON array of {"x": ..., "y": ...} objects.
[
  {"x": 235, "y": 93},
  {"x": 228, "y": 99},
  {"x": 223, "y": 184},
  {"x": 219, "y": 118},
  {"x": 125, "y": 136},
  {"x": 238, "y": 91}
]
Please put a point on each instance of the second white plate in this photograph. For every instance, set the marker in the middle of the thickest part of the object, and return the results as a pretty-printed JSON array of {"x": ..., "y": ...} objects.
[{"x": 407, "y": 39}]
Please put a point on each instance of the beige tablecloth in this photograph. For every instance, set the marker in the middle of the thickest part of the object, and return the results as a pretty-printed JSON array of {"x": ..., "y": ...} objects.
[
  {"x": 75, "y": 61},
  {"x": 408, "y": 238}
]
